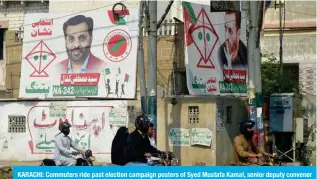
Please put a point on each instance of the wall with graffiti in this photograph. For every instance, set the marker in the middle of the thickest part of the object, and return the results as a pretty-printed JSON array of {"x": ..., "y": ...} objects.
[{"x": 28, "y": 128}]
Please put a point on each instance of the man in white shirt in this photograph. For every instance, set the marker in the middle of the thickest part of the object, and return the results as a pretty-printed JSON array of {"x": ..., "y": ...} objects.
[
  {"x": 151, "y": 135},
  {"x": 63, "y": 155}
]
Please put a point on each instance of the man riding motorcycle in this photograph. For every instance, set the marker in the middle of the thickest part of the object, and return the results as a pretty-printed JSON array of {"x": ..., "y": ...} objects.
[
  {"x": 244, "y": 147},
  {"x": 139, "y": 147},
  {"x": 62, "y": 154}
]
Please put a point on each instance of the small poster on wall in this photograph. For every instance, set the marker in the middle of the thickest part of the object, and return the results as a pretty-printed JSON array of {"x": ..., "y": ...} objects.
[
  {"x": 179, "y": 137},
  {"x": 221, "y": 117},
  {"x": 57, "y": 109},
  {"x": 201, "y": 136},
  {"x": 118, "y": 117}
]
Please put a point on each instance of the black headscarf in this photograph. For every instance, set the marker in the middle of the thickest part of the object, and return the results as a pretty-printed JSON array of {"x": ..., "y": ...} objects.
[
  {"x": 243, "y": 128},
  {"x": 118, "y": 145}
]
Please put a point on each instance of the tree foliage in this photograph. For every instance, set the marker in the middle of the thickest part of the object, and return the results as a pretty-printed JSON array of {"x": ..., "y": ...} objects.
[{"x": 276, "y": 81}]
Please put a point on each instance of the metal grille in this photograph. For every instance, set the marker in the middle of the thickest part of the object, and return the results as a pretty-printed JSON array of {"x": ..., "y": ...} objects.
[
  {"x": 193, "y": 114},
  {"x": 17, "y": 124},
  {"x": 229, "y": 114}
]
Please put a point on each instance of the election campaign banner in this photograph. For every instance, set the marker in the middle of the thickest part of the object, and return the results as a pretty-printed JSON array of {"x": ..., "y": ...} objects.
[
  {"x": 216, "y": 53},
  {"x": 79, "y": 55}
]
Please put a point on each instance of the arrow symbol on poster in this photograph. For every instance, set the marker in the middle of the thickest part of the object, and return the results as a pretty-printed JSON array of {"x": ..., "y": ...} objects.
[{"x": 152, "y": 93}]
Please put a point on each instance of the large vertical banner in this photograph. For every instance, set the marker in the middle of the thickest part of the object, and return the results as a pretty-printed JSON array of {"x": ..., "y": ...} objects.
[
  {"x": 215, "y": 51},
  {"x": 82, "y": 55}
]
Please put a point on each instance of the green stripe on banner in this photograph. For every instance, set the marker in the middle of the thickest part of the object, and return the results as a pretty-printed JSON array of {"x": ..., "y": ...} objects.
[
  {"x": 190, "y": 11},
  {"x": 117, "y": 45}
]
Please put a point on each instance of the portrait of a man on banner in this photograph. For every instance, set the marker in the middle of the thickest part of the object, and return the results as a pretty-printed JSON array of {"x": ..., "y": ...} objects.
[{"x": 78, "y": 33}]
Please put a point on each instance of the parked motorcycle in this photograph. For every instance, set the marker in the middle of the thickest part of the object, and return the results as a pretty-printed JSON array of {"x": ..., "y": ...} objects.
[
  {"x": 86, "y": 159},
  {"x": 165, "y": 159}
]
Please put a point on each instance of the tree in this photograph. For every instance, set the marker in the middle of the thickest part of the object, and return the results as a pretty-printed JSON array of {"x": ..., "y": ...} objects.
[{"x": 276, "y": 81}]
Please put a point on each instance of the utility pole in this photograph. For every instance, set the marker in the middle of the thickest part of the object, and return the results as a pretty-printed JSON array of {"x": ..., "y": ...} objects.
[
  {"x": 254, "y": 66},
  {"x": 252, "y": 13},
  {"x": 152, "y": 63},
  {"x": 281, "y": 37},
  {"x": 141, "y": 60},
  {"x": 257, "y": 54}
]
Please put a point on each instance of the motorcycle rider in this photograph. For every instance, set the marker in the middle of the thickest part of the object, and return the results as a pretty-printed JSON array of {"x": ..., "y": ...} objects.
[
  {"x": 62, "y": 154},
  {"x": 151, "y": 135},
  {"x": 139, "y": 147},
  {"x": 244, "y": 147}
]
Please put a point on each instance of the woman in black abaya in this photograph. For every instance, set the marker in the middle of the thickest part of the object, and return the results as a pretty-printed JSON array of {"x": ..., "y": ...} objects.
[{"x": 118, "y": 145}]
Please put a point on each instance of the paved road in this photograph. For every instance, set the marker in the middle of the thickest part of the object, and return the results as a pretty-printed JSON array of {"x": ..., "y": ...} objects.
[{"x": 33, "y": 163}]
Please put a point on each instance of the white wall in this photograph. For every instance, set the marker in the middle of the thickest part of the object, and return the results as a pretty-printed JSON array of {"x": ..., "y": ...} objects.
[
  {"x": 77, "y": 6},
  {"x": 27, "y": 146}
]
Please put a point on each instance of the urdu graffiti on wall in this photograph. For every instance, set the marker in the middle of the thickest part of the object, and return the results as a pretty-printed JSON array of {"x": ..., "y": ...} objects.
[
  {"x": 90, "y": 124},
  {"x": 4, "y": 143}
]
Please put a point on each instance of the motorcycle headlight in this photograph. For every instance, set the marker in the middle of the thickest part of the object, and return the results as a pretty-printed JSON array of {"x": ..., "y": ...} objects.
[{"x": 92, "y": 158}]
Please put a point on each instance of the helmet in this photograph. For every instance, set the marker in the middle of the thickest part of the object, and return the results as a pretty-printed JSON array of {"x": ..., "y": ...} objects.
[
  {"x": 64, "y": 128},
  {"x": 244, "y": 125},
  {"x": 142, "y": 124},
  {"x": 247, "y": 124},
  {"x": 64, "y": 125}
]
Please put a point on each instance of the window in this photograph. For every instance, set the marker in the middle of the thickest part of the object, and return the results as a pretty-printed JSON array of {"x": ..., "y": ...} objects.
[
  {"x": 229, "y": 114},
  {"x": 130, "y": 107},
  {"x": 2, "y": 39},
  {"x": 193, "y": 114},
  {"x": 17, "y": 124}
]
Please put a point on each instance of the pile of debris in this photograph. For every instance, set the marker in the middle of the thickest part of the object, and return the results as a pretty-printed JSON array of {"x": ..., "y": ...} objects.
[{"x": 6, "y": 172}]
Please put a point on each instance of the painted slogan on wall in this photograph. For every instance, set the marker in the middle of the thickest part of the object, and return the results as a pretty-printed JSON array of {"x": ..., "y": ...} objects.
[
  {"x": 82, "y": 55},
  {"x": 93, "y": 124},
  {"x": 215, "y": 51}
]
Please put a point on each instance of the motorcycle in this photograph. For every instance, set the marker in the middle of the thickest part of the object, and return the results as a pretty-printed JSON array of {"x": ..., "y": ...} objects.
[
  {"x": 271, "y": 161},
  {"x": 165, "y": 159},
  {"x": 86, "y": 159}
]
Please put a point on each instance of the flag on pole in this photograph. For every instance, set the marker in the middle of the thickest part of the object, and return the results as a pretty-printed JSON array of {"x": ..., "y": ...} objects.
[{"x": 189, "y": 21}]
